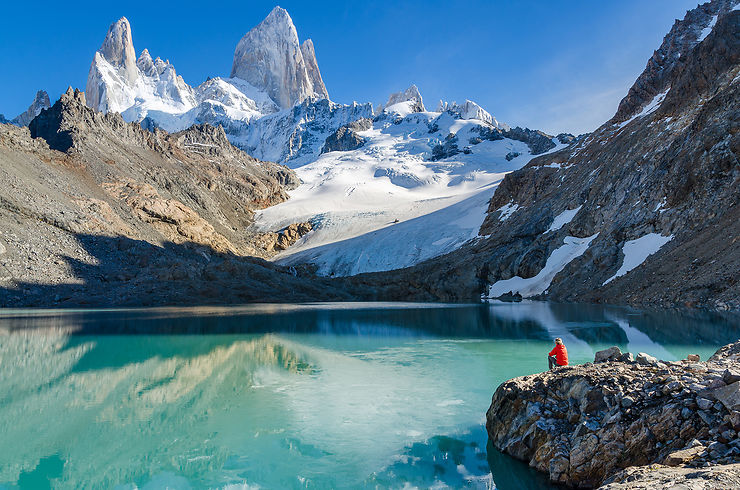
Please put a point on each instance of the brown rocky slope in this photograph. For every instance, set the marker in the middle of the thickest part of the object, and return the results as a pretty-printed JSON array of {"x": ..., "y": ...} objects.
[
  {"x": 98, "y": 211},
  {"x": 668, "y": 163}
]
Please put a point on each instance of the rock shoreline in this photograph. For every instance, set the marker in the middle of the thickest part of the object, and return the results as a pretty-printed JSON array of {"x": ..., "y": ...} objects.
[{"x": 592, "y": 424}]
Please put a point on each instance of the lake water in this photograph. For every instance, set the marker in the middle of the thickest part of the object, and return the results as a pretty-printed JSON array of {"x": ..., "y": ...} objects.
[{"x": 363, "y": 395}]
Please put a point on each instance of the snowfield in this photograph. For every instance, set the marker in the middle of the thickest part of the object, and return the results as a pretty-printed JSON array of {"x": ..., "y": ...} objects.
[{"x": 353, "y": 198}]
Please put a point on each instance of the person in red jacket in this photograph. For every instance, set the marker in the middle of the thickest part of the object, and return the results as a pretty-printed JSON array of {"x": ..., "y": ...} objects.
[{"x": 559, "y": 355}]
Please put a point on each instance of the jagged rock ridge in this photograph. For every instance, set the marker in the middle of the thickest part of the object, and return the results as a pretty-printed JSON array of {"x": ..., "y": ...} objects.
[{"x": 682, "y": 38}]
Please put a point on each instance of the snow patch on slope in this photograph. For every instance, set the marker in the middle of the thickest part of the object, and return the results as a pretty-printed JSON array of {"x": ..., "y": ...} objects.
[
  {"x": 559, "y": 258},
  {"x": 651, "y": 107},
  {"x": 507, "y": 210},
  {"x": 637, "y": 251},
  {"x": 708, "y": 29},
  {"x": 563, "y": 219}
]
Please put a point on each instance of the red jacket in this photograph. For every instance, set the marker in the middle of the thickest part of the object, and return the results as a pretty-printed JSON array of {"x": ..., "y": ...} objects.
[{"x": 561, "y": 354}]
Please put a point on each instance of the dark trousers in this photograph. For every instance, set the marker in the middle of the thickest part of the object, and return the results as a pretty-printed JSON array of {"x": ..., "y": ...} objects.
[{"x": 552, "y": 361}]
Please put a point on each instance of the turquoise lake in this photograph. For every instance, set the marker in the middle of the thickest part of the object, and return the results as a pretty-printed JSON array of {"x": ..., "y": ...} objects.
[{"x": 357, "y": 395}]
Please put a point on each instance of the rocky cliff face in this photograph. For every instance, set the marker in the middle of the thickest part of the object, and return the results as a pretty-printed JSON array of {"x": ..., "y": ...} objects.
[
  {"x": 643, "y": 211},
  {"x": 271, "y": 58},
  {"x": 346, "y": 138},
  {"x": 682, "y": 38},
  {"x": 582, "y": 424}
]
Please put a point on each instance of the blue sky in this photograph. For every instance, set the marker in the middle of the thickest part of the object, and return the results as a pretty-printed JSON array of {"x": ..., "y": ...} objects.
[{"x": 550, "y": 65}]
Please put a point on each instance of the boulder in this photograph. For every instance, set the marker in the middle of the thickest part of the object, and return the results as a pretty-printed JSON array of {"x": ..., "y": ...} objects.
[
  {"x": 683, "y": 456},
  {"x": 731, "y": 376},
  {"x": 610, "y": 354},
  {"x": 646, "y": 359},
  {"x": 729, "y": 396},
  {"x": 626, "y": 357},
  {"x": 693, "y": 358}
]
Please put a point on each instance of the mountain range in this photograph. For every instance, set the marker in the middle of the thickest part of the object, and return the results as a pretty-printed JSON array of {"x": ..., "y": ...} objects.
[{"x": 389, "y": 202}]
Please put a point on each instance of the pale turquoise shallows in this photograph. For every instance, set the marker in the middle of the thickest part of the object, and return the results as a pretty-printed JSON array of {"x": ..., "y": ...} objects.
[{"x": 284, "y": 396}]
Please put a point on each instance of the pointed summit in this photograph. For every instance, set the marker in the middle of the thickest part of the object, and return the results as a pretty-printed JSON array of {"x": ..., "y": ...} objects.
[
  {"x": 41, "y": 101},
  {"x": 118, "y": 49},
  {"x": 270, "y": 58},
  {"x": 115, "y": 58},
  {"x": 312, "y": 67},
  {"x": 411, "y": 98}
]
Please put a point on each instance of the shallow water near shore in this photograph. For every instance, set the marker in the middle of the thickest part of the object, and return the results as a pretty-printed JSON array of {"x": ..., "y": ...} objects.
[{"x": 356, "y": 395}]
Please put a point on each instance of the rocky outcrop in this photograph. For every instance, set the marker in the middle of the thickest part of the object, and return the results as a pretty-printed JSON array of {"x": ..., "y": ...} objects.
[
  {"x": 270, "y": 57},
  {"x": 274, "y": 242},
  {"x": 582, "y": 424},
  {"x": 537, "y": 141},
  {"x": 654, "y": 477},
  {"x": 346, "y": 137}
]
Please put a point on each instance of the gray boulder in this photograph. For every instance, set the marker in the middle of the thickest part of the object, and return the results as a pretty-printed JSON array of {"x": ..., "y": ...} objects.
[
  {"x": 646, "y": 359},
  {"x": 610, "y": 354}
]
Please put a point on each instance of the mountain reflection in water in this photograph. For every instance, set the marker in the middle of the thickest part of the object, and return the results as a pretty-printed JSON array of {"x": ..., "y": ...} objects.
[{"x": 323, "y": 395}]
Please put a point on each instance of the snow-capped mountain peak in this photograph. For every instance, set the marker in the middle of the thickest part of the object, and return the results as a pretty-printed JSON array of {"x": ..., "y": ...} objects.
[
  {"x": 120, "y": 82},
  {"x": 404, "y": 102},
  {"x": 270, "y": 58},
  {"x": 470, "y": 110}
]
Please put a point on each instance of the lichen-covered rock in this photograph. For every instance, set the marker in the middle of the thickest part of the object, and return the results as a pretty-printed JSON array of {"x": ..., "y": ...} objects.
[{"x": 582, "y": 424}]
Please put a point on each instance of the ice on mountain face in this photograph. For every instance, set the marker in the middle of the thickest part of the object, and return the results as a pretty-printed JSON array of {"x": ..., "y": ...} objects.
[
  {"x": 41, "y": 101},
  {"x": 270, "y": 58},
  {"x": 470, "y": 110},
  {"x": 404, "y": 103},
  {"x": 295, "y": 136},
  {"x": 708, "y": 29},
  {"x": 649, "y": 108},
  {"x": 354, "y": 197},
  {"x": 563, "y": 219}
]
